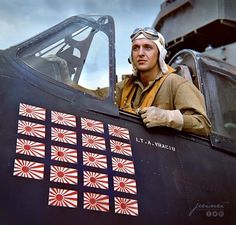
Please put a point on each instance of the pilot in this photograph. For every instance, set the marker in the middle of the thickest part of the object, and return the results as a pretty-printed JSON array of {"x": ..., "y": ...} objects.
[{"x": 156, "y": 92}]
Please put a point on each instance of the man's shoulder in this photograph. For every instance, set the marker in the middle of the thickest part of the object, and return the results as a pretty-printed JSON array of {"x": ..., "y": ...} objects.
[
  {"x": 174, "y": 77},
  {"x": 176, "y": 81}
]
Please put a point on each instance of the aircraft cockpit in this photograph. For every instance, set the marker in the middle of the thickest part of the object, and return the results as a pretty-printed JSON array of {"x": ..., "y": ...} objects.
[{"x": 77, "y": 54}]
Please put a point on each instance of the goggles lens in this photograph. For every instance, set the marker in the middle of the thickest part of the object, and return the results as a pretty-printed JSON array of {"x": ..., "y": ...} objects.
[{"x": 148, "y": 32}]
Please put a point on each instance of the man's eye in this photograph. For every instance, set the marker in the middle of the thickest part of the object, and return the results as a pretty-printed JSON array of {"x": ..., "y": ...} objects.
[{"x": 148, "y": 47}]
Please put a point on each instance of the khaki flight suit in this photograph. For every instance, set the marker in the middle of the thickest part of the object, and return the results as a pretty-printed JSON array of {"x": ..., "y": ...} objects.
[{"x": 175, "y": 93}]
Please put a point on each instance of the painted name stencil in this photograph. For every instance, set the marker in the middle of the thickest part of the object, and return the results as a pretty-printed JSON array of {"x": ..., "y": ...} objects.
[
  {"x": 90, "y": 157},
  {"x": 156, "y": 144}
]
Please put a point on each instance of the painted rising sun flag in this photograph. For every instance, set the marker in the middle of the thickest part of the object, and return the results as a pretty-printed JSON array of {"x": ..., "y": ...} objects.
[
  {"x": 32, "y": 111},
  {"x": 120, "y": 147},
  {"x": 97, "y": 202},
  {"x": 123, "y": 184},
  {"x": 31, "y": 148},
  {"x": 94, "y": 160},
  {"x": 62, "y": 197},
  {"x": 118, "y": 131},
  {"x": 63, "y": 135},
  {"x": 123, "y": 165},
  {"x": 96, "y": 180},
  {"x": 63, "y": 175},
  {"x": 63, "y": 118},
  {"x": 92, "y": 125},
  {"x": 28, "y": 169},
  {"x": 126, "y": 206},
  {"x": 32, "y": 129},
  {"x": 63, "y": 154},
  {"x": 92, "y": 141},
  {"x": 77, "y": 156}
]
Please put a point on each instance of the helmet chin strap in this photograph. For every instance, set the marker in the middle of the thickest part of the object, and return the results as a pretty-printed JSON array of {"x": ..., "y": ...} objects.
[{"x": 162, "y": 56}]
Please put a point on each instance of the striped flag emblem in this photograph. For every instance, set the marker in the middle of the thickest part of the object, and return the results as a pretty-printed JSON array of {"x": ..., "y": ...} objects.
[
  {"x": 63, "y": 135},
  {"x": 32, "y": 111},
  {"x": 92, "y": 125},
  {"x": 62, "y": 197},
  {"x": 31, "y": 129},
  {"x": 91, "y": 141},
  {"x": 96, "y": 180},
  {"x": 32, "y": 148},
  {"x": 124, "y": 184},
  {"x": 28, "y": 169},
  {"x": 97, "y": 202},
  {"x": 126, "y": 206},
  {"x": 120, "y": 148},
  {"x": 63, "y": 154},
  {"x": 94, "y": 160},
  {"x": 118, "y": 131},
  {"x": 63, "y": 175},
  {"x": 123, "y": 165},
  {"x": 63, "y": 118}
]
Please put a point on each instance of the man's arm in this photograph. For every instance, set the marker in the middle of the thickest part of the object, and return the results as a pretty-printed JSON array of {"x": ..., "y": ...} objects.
[{"x": 184, "y": 100}]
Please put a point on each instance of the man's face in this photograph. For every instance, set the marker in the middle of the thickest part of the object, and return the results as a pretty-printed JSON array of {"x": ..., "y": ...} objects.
[{"x": 145, "y": 55}]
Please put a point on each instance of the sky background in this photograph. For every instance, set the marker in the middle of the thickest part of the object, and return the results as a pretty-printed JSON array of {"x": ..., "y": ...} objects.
[{"x": 22, "y": 19}]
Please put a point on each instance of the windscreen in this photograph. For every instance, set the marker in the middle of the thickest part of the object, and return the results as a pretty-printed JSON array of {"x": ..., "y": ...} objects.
[
  {"x": 76, "y": 55},
  {"x": 222, "y": 95}
]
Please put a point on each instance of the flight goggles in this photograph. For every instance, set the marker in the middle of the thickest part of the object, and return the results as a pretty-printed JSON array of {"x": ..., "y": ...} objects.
[{"x": 148, "y": 32}]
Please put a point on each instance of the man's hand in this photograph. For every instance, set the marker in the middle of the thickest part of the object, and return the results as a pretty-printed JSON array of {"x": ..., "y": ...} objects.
[{"x": 154, "y": 116}]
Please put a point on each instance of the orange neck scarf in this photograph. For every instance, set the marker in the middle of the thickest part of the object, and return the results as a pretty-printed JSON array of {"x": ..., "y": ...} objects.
[{"x": 129, "y": 90}]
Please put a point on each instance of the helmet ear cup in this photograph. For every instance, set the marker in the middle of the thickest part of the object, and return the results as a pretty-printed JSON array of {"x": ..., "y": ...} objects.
[{"x": 129, "y": 60}]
